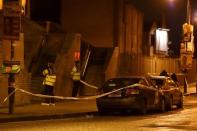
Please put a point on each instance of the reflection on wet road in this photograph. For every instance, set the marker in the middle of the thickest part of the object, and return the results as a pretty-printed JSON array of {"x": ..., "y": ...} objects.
[{"x": 176, "y": 120}]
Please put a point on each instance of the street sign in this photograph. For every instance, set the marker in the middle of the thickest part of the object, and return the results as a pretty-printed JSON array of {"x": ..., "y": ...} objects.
[
  {"x": 11, "y": 21},
  {"x": 10, "y": 67},
  {"x": 12, "y": 9},
  {"x": 11, "y": 28},
  {"x": 186, "y": 60},
  {"x": 187, "y": 32}
]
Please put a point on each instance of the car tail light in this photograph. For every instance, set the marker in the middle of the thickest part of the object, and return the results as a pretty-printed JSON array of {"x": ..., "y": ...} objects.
[{"x": 132, "y": 91}]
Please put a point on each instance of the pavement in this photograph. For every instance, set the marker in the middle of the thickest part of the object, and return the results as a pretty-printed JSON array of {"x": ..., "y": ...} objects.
[
  {"x": 63, "y": 109},
  {"x": 191, "y": 90}
]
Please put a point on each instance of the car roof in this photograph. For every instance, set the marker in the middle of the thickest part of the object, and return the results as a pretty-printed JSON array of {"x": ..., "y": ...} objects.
[
  {"x": 127, "y": 77},
  {"x": 159, "y": 77}
]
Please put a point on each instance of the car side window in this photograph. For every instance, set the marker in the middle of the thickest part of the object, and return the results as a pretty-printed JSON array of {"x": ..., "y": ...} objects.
[{"x": 143, "y": 82}]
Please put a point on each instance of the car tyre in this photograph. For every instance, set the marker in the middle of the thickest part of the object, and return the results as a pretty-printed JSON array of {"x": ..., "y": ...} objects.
[
  {"x": 162, "y": 107},
  {"x": 143, "y": 107},
  {"x": 180, "y": 105},
  {"x": 102, "y": 111},
  {"x": 170, "y": 104}
]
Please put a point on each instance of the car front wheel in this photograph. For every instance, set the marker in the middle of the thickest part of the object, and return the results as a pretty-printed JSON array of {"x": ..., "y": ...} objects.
[{"x": 180, "y": 105}]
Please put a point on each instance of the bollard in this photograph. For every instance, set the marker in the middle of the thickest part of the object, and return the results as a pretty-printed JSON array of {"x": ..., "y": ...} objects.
[{"x": 11, "y": 89}]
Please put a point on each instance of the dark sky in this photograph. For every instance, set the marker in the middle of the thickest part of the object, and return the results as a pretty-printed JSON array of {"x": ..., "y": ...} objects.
[
  {"x": 42, "y": 10},
  {"x": 175, "y": 14}
]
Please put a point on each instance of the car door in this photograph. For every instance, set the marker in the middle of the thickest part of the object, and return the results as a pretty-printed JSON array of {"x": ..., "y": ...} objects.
[
  {"x": 173, "y": 89},
  {"x": 152, "y": 94}
]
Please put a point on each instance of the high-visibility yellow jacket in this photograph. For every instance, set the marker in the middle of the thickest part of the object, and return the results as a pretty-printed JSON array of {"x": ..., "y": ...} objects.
[
  {"x": 50, "y": 79},
  {"x": 75, "y": 74}
]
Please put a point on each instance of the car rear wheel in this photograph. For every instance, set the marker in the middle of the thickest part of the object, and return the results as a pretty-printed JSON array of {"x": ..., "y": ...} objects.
[
  {"x": 143, "y": 107},
  {"x": 180, "y": 105},
  {"x": 170, "y": 104},
  {"x": 102, "y": 111},
  {"x": 162, "y": 107}
]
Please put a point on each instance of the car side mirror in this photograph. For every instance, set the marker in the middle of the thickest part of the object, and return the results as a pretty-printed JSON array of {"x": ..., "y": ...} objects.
[{"x": 156, "y": 86}]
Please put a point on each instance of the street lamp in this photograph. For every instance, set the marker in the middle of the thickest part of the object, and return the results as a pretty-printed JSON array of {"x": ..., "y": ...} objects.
[
  {"x": 23, "y": 4},
  {"x": 1, "y": 4}
]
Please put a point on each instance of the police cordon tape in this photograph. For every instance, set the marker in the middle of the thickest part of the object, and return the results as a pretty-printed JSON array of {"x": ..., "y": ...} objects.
[
  {"x": 74, "y": 98},
  {"x": 85, "y": 83}
]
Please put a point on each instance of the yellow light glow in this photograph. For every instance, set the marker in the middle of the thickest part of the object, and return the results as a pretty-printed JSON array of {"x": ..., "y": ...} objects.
[
  {"x": 23, "y": 3},
  {"x": 1, "y": 4}
]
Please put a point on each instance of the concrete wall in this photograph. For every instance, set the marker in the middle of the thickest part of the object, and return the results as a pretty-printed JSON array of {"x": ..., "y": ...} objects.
[
  {"x": 94, "y": 19},
  {"x": 64, "y": 64}
]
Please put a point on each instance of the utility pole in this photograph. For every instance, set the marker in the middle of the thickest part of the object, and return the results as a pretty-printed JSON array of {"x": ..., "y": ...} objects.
[
  {"x": 187, "y": 46},
  {"x": 188, "y": 12},
  {"x": 11, "y": 33}
]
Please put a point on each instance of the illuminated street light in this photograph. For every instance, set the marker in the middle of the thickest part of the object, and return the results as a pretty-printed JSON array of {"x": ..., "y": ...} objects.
[
  {"x": 1, "y": 4},
  {"x": 23, "y": 3}
]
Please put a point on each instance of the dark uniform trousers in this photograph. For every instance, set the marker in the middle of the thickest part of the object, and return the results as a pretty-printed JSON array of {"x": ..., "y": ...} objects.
[
  {"x": 76, "y": 85},
  {"x": 49, "y": 91}
]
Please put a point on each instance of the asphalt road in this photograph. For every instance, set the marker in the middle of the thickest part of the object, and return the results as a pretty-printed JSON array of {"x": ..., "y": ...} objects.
[{"x": 182, "y": 119}]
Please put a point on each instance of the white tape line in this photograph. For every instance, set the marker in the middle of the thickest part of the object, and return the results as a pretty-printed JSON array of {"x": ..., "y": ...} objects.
[
  {"x": 73, "y": 98},
  {"x": 85, "y": 83},
  {"x": 9, "y": 95}
]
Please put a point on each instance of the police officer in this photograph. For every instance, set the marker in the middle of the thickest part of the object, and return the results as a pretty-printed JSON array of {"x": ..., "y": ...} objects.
[
  {"x": 49, "y": 82},
  {"x": 75, "y": 73},
  {"x": 174, "y": 78}
]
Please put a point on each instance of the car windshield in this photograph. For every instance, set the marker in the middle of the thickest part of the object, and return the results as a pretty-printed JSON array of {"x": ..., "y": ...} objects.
[{"x": 117, "y": 83}]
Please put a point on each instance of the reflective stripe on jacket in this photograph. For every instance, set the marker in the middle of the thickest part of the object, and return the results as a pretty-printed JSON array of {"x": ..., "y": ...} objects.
[
  {"x": 50, "y": 79},
  {"x": 75, "y": 74}
]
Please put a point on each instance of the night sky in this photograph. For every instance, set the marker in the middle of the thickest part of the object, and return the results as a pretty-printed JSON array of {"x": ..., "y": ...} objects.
[
  {"x": 175, "y": 15},
  {"x": 42, "y": 10}
]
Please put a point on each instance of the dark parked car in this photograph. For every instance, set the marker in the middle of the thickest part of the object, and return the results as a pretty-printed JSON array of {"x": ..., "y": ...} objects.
[
  {"x": 139, "y": 98},
  {"x": 171, "y": 92}
]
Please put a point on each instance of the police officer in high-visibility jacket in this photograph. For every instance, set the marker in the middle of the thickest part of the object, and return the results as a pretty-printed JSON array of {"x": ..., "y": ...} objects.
[
  {"x": 75, "y": 73},
  {"x": 49, "y": 82}
]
